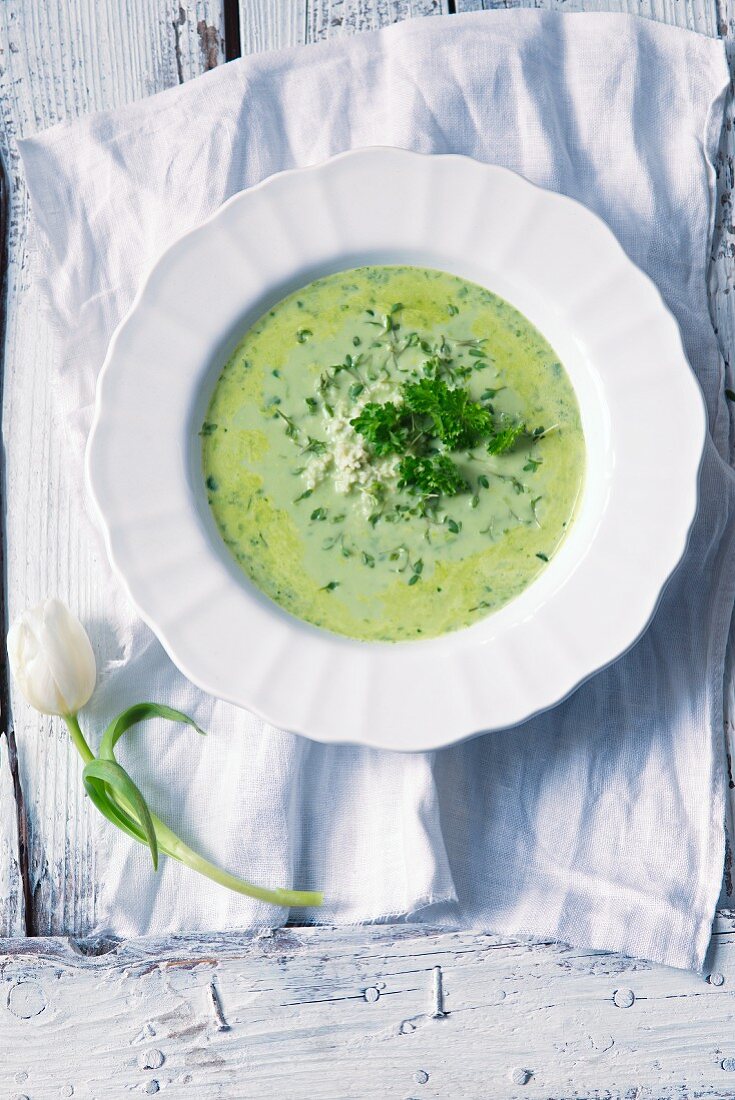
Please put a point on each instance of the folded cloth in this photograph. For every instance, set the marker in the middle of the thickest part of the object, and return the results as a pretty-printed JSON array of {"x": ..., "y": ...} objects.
[{"x": 600, "y": 823}]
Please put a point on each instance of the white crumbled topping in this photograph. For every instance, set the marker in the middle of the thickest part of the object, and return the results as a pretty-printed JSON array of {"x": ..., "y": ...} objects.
[
  {"x": 347, "y": 459},
  {"x": 316, "y": 468}
]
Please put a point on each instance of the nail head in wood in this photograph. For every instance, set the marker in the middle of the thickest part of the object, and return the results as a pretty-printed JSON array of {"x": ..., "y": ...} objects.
[
  {"x": 151, "y": 1059},
  {"x": 26, "y": 999}
]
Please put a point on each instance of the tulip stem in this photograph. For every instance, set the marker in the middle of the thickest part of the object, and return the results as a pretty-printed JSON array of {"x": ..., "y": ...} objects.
[
  {"x": 173, "y": 846},
  {"x": 80, "y": 743},
  {"x": 170, "y": 843}
]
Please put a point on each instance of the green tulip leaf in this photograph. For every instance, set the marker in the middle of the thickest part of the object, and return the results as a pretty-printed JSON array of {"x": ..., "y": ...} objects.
[
  {"x": 111, "y": 777},
  {"x": 139, "y": 712}
]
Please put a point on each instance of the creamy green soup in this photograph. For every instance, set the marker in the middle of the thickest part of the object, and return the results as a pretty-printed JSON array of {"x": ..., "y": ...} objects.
[{"x": 392, "y": 453}]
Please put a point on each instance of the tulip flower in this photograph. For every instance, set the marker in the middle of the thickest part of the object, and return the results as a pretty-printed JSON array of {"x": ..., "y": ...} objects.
[{"x": 52, "y": 661}]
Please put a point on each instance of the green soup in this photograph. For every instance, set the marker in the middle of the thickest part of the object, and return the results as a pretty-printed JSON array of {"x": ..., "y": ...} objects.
[{"x": 392, "y": 453}]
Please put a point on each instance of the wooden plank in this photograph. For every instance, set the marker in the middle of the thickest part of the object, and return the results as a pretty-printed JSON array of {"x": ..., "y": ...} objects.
[
  {"x": 14, "y": 881},
  {"x": 12, "y": 908},
  {"x": 60, "y": 61},
  {"x": 330, "y": 18},
  {"x": 696, "y": 15},
  {"x": 272, "y": 24},
  {"x": 354, "y": 1013}
]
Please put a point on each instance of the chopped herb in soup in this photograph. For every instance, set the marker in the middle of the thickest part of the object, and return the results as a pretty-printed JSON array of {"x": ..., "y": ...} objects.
[{"x": 392, "y": 453}]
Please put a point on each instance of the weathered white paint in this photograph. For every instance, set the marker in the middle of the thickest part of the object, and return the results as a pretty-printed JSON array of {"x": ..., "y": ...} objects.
[
  {"x": 271, "y": 25},
  {"x": 276, "y": 24},
  {"x": 307, "y": 1013},
  {"x": 328, "y": 18},
  {"x": 12, "y": 916},
  {"x": 697, "y": 15}
]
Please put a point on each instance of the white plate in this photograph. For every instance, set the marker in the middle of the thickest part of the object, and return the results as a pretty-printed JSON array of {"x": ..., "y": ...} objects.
[{"x": 642, "y": 412}]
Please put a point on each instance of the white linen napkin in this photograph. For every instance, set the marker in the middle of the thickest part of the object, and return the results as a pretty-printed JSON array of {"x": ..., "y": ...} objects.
[{"x": 599, "y": 823}]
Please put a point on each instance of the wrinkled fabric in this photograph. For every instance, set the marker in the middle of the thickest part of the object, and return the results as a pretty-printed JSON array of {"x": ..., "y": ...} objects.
[{"x": 599, "y": 823}]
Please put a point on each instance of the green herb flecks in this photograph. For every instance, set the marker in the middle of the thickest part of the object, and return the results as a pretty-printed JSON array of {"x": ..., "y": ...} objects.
[
  {"x": 505, "y": 439},
  {"x": 315, "y": 447}
]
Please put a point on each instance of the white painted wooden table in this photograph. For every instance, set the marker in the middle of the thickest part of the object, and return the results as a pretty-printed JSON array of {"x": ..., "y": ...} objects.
[{"x": 328, "y": 1014}]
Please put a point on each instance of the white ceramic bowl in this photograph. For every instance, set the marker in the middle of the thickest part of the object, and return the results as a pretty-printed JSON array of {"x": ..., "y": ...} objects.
[{"x": 642, "y": 413}]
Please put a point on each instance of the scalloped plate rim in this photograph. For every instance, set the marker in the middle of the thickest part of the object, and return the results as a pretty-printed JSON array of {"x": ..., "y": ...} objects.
[{"x": 677, "y": 548}]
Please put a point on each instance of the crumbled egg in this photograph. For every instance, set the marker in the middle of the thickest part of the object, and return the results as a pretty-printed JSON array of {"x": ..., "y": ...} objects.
[{"x": 348, "y": 459}]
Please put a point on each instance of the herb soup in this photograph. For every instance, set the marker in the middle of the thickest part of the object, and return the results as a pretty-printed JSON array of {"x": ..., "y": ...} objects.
[{"x": 392, "y": 453}]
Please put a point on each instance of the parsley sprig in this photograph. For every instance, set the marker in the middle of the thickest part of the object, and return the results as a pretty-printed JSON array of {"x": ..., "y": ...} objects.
[
  {"x": 432, "y": 415},
  {"x": 457, "y": 420},
  {"x": 431, "y": 475},
  {"x": 384, "y": 427}
]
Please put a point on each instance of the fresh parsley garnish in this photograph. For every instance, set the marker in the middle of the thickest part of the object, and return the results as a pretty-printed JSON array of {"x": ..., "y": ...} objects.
[
  {"x": 458, "y": 421},
  {"x": 383, "y": 427},
  {"x": 430, "y": 475},
  {"x": 430, "y": 419}
]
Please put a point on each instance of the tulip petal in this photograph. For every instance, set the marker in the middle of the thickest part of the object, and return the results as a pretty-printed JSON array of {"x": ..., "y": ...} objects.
[{"x": 51, "y": 658}]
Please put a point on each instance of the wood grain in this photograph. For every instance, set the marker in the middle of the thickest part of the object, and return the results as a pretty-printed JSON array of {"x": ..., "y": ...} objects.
[
  {"x": 329, "y": 18},
  {"x": 342, "y": 1013},
  {"x": 12, "y": 907},
  {"x": 696, "y": 15},
  {"x": 273, "y": 24},
  {"x": 14, "y": 881},
  {"x": 62, "y": 60}
]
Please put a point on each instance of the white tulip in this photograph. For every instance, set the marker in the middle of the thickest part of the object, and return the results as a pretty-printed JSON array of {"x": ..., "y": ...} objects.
[{"x": 51, "y": 659}]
